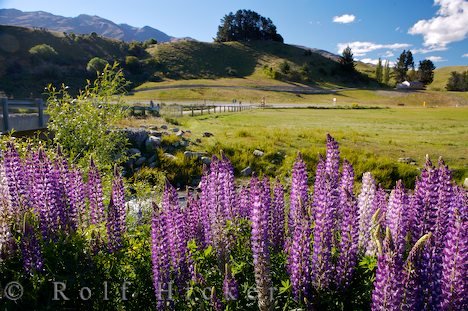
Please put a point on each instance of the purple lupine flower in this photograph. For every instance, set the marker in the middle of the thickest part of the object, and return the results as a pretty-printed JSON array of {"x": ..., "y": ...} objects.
[
  {"x": 216, "y": 303},
  {"x": 388, "y": 290},
  {"x": 299, "y": 192},
  {"x": 244, "y": 202},
  {"x": 33, "y": 260},
  {"x": 177, "y": 238},
  {"x": 348, "y": 245},
  {"x": 95, "y": 195},
  {"x": 60, "y": 180},
  {"x": 194, "y": 220},
  {"x": 16, "y": 180},
  {"x": 299, "y": 263},
  {"x": 424, "y": 201},
  {"x": 366, "y": 210},
  {"x": 76, "y": 197},
  {"x": 412, "y": 287},
  {"x": 455, "y": 257},
  {"x": 277, "y": 217},
  {"x": 397, "y": 216},
  {"x": 160, "y": 256},
  {"x": 260, "y": 247},
  {"x": 6, "y": 213},
  {"x": 116, "y": 217},
  {"x": 230, "y": 286},
  {"x": 326, "y": 201}
]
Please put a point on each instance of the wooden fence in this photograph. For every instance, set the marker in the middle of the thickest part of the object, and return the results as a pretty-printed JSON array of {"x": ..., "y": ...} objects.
[
  {"x": 22, "y": 115},
  {"x": 206, "y": 109}
]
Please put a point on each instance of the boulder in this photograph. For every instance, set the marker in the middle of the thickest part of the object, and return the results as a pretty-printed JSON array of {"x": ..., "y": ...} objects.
[
  {"x": 206, "y": 160},
  {"x": 170, "y": 156},
  {"x": 164, "y": 127},
  {"x": 140, "y": 161},
  {"x": 246, "y": 171},
  {"x": 207, "y": 134},
  {"x": 134, "y": 152},
  {"x": 153, "y": 165},
  {"x": 465, "y": 183},
  {"x": 180, "y": 133},
  {"x": 258, "y": 153},
  {"x": 153, "y": 159},
  {"x": 151, "y": 143},
  {"x": 175, "y": 129},
  {"x": 136, "y": 137},
  {"x": 407, "y": 161}
]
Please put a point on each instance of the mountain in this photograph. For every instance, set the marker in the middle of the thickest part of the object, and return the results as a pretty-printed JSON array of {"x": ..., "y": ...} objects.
[{"x": 82, "y": 24}]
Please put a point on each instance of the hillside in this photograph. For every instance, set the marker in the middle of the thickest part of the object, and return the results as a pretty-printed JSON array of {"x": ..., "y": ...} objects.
[
  {"x": 21, "y": 74},
  {"x": 269, "y": 64},
  {"x": 441, "y": 76},
  {"x": 82, "y": 24}
]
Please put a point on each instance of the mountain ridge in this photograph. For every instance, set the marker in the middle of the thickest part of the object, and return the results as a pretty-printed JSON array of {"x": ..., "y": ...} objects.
[{"x": 82, "y": 24}]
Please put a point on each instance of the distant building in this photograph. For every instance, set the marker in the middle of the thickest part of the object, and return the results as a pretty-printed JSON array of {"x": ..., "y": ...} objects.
[{"x": 407, "y": 85}]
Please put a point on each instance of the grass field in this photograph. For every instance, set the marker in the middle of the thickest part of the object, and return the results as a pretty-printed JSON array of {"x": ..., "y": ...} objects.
[{"x": 373, "y": 140}]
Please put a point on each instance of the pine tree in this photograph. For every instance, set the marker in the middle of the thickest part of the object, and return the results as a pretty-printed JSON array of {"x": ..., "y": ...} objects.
[
  {"x": 347, "y": 60},
  {"x": 386, "y": 73},
  {"x": 378, "y": 71},
  {"x": 426, "y": 71},
  {"x": 401, "y": 67}
]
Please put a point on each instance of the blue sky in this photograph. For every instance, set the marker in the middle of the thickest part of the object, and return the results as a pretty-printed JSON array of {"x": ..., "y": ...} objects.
[{"x": 434, "y": 29}]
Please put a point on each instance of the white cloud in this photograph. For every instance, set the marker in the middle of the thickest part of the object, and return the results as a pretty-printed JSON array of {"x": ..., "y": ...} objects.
[
  {"x": 375, "y": 61},
  {"x": 360, "y": 48},
  {"x": 397, "y": 29},
  {"x": 436, "y": 59},
  {"x": 465, "y": 55},
  {"x": 344, "y": 19},
  {"x": 388, "y": 54},
  {"x": 449, "y": 25},
  {"x": 430, "y": 49}
]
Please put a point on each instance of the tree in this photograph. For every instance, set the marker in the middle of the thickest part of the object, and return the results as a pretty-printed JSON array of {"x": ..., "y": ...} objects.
[
  {"x": 96, "y": 64},
  {"x": 379, "y": 71},
  {"x": 347, "y": 60},
  {"x": 426, "y": 71},
  {"x": 409, "y": 63},
  {"x": 246, "y": 25},
  {"x": 458, "y": 81},
  {"x": 85, "y": 125},
  {"x": 386, "y": 73}
]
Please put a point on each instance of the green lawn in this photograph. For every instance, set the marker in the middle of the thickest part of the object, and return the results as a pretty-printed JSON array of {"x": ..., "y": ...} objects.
[{"x": 371, "y": 139}]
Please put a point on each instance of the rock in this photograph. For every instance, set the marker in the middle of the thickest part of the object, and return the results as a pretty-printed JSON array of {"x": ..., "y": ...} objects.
[
  {"x": 188, "y": 131},
  {"x": 175, "y": 129},
  {"x": 407, "y": 160},
  {"x": 180, "y": 133},
  {"x": 207, "y": 134},
  {"x": 184, "y": 143},
  {"x": 151, "y": 143},
  {"x": 140, "y": 161},
  {"x": 170, "y": 156},
  {"x": 154, "y": 128},
  {"x": 153, "y": 165},
  {"x": 194, "y": 155},
  {"x": 153, "y": 159},
  {"x": 136, "y": 137},
  {"x": 176, "y": 144},
  {"x": 134, "y": 152},
  {"x": 246, "y": 171},
  {"x": 198, "y": 141},
  {"x": 155, "y": 133},
  {"x": 206, "y": 160},
  {"x": 258, "y": 153},
  {"x": 164, "y": 127},
  {"x": 465, "y": 184}
]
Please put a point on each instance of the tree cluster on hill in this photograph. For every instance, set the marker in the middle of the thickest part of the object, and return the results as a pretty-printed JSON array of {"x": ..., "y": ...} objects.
[
  {"x": 246, "y": 25},
  {"x": 458, "y": 81},
  {"x": 404, "y": 69}
]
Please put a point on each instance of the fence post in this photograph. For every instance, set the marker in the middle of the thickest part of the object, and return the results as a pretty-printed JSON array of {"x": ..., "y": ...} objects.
[
  {"x": 40, "y": 112},
  {"x": 6, "y": 125}
]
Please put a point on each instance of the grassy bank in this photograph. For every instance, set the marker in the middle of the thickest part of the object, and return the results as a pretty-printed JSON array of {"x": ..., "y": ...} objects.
[{"x": 373, "y": 140}]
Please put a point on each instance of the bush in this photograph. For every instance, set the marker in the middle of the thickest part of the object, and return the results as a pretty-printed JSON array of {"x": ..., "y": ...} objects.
[
  {"x": 43, "y": 52},
  {"x": 132, "y": 64},
  {"x": 96, "y": 64},
  {"x": 85, "y": 125},
  {"x": 458, "y": 81}
]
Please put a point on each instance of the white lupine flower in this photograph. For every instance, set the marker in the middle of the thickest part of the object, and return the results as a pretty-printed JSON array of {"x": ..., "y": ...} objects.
[{"x": 365, "y": 210}]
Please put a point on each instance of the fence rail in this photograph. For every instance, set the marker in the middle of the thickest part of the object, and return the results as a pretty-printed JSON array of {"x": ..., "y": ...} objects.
[{"x": 22, "y": 115}]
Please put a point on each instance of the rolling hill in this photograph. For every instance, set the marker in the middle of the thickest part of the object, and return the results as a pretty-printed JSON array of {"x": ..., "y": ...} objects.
[
  {"x": 441, "y": 76},
  {"x": 82, "y": 24}
]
